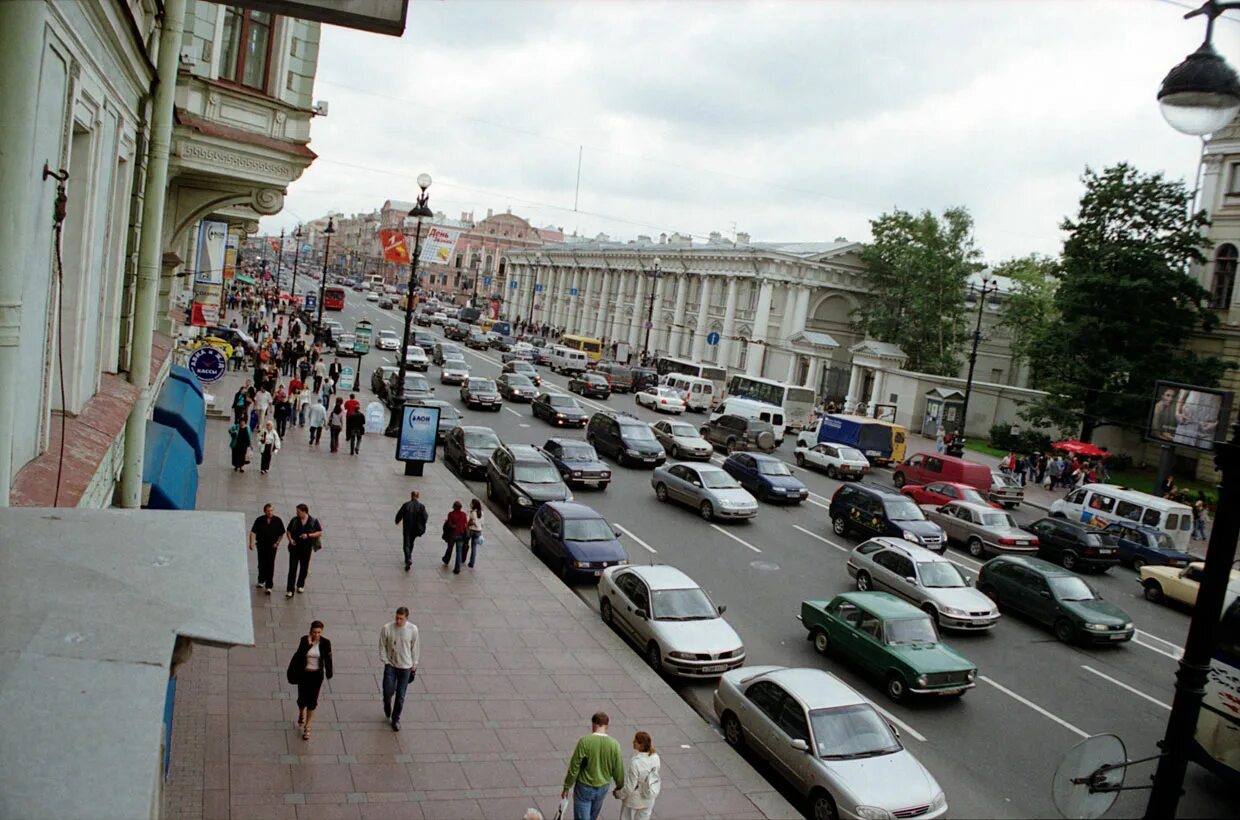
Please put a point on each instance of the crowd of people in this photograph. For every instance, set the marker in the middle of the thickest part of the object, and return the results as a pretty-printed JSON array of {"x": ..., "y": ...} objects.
[{"x": 1054, "y": 470}]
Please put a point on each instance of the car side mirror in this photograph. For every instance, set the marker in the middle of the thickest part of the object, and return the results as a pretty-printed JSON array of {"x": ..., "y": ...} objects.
[
  {"x": 894, "y": 730},
  {"x": 911, "y": 580},
  {"x": 639, "y": 612},
  {"x": 1045, "y": 593},
  {"x": 723, "y": 608},
  {"x": 799, "y": 745}
]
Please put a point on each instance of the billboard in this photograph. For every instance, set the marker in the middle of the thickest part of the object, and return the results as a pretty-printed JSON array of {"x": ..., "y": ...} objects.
[
  {"x": 1188, "y": 415},
  {"x": 437, "y": 245},
  {"x": 419, "y": 427}
]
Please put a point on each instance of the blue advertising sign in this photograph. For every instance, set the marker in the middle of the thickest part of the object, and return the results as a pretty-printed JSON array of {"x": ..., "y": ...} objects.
[
  {"x": 418, "y": 428},
  {"x": 572, "y": 291},
  {"x": 538, "y": 288},
  {"x": 311, "y": 302},
  {"x": 712, "y": 338},
  {"x": 486, "y": 280},
  {"x": 208, "y": 364}
]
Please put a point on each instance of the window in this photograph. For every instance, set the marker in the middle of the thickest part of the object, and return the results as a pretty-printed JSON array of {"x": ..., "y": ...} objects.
[
  {"x": 1076, "y": 497},
  {"x": 1102, "y": 503},
  {"x": 792, "y": 720},
  {"x": 1126, "y": 509},
  {"x": 766, "y": 696},
  {"x": 934, "y": 465},
  {"x": 1152, "y": 518},
  {"x": 1224, "y": 276},
  {"x": 1233, "y": 186},
  {"x": 247, "y": 47}
]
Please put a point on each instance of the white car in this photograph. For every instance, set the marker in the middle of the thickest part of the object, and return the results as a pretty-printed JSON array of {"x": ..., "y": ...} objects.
[
  {"x": 836, "y": 460},
  {"x": 664, "y": 399},
  {"x": 344, "y": 342},
  {"x": 388, "y": 340},
  {"x": 681, "y": 440},
  {"x": 416, "y": 358},
  {"x": 670, "y": 619},
  {"x": 438, "y": 317},
  {"x": 372, "y": 297}
]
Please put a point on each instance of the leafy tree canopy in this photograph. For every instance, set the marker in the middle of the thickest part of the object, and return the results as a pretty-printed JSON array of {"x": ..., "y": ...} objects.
[{"x": 1029, "y": 307}]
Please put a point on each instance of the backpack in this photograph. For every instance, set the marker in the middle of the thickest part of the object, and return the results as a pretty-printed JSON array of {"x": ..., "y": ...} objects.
[{"x": 648, "y": 788}]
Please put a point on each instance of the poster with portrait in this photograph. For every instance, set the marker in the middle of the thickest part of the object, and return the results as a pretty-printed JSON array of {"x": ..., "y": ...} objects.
[{"x": 1187, "y": 415}]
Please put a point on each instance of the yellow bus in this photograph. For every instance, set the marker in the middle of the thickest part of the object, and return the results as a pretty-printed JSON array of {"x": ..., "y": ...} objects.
[{"x": 593, "y": 348}]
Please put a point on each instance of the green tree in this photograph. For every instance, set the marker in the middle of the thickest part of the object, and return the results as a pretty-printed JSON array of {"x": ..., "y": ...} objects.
[
  {"x": 1125, "y": 302},
  {"x": 1028, "y": 310},
  {"x": 917, "y": 268}
]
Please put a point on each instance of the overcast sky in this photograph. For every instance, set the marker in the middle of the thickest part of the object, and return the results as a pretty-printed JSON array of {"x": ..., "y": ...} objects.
[{"x": 792, "y": 121}]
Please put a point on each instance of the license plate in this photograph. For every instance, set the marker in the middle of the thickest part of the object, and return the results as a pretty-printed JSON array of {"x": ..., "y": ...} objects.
[
  {"x": 648, "y": 458},
  {"x": 1105, "y": 552},
  {"x": 710, "y": 669},
  {"x": 871, "y": 452},
  {"x": 592, "y": 482},
  {"x": 955, "y": 691},
  {"x": 1022, "y": 543},
  {"x": 1118, "y": 637}
]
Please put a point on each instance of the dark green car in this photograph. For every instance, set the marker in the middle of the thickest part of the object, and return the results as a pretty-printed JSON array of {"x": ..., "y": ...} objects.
[
  {"x": 1052, "y": 595},
  {"x": 889, "y": 639}
]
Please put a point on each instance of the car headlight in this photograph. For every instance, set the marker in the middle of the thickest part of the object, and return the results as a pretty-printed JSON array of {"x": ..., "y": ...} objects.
[
  {"x": 472, "y": 461},
  {"x": 576, "y": 473},
  {"x": 524, "y": 501},
  {"x": 1097, "y": 627},
  {"x": 727, "y": 504},
  {"x": 607, "y": 474},
  {"x": 873, "y": 813},
  {"x": 922, "y": 680},
  {"x": 1128, "y": 625},
  {"x": 780, "y": 490},
  {"x": 581, "y": 565},
  {"x": 939, "y": 801},
  {"x": 911, "y": 536},
  {"x": 629, "y": 452},
  {"x": 684, "y": 656},
  {"x": 949, "y": 610}
]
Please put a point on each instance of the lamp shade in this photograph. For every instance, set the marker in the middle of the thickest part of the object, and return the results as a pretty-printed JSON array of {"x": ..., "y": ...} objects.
[{"x": 1200, "y": 95}]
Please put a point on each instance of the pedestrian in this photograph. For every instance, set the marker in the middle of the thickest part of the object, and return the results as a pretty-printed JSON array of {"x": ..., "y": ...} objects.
[
  {"x": 310, "y": 665},
  {"x": 268, "y": 446},
  {"x": 305, "y": 535},
  {"x": 282, "y": 410},
  {"x": 303, "y": 404},
  {"x": 1199, "y": 517},
  {"x": 938, "y": 440},
  {"x": 642, "y": 780},
  {"x": 240, "y": 402},
  {"x": 354, "y": 429},
  {"x": 238, "y": 357},
  {"x": 335, "y": 423},
  {"x": 262, "y": 404},
  {"x": 475, "y": 530},
  {"x": 596, "y": 763},
  {"x": 455, "y": 530},
  {"x": 320, "y": 373},
  {"x": 412, "y": 516},
  {"x": 266, "y": 533},
  {"x": 399, "y": 649},
  {"x": 316, "y": 419},
  {"x": 1054, "y": 469},
  {"x": 239, "y": 442},
  {"x": 352, "y": 404}
]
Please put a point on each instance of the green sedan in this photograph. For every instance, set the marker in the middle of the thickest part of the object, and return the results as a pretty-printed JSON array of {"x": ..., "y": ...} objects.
[
  {"x": 1056, "y": 597},
  {"x": 889, "y": 639}
]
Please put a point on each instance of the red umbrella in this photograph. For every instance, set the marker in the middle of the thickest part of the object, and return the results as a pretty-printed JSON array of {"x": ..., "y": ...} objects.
[{"x": 1080, "y": 448}]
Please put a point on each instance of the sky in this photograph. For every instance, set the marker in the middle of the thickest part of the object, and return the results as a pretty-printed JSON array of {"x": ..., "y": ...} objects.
[{"x": 789, "y": 121}]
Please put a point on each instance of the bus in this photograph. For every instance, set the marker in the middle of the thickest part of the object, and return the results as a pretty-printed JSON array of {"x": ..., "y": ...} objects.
[
  {"x": 333, "y": 298},
  {"x": 797, "y": 402},
  {"x": 1216, "y": 744},
  {"x": 593, "y": 348},
  {"x": 666, "y": 364}
]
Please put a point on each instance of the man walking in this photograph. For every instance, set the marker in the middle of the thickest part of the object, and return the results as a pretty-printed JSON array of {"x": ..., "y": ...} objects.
[
  {"x": 413, "y": 515},
  {"x": 304, "y": 532},
  {"x": 398, "y": 646},
  {"x": 596, "y": 763},
  {"x": 266, "y": 533}
]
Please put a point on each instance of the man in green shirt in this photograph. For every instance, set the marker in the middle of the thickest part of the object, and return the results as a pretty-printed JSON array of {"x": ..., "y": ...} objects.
[{"x": 596, "y": 763}]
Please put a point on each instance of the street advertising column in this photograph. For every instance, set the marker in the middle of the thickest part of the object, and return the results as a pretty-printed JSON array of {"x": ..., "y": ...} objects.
[
  {"x": 415, "y": 445},
  {"x": 209, "y": 273}
]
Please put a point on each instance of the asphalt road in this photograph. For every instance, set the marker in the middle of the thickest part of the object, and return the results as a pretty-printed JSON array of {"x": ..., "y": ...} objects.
[{"x": 994, "y": 750}]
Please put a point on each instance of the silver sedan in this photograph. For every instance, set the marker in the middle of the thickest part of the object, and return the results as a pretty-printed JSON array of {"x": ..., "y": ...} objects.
[
  {"x": 706, "y": 488},
  {"x": 670, "y": 619},
  {"x": 453, "y": 371},
  {"x": 982, "y": 529},
  {"x": 681, "y": 440}
]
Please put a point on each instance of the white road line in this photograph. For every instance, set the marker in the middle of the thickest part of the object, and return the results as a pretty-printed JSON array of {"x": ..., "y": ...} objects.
[
  {"x": 826, "y": 541},
  {"x": 1123, "y": 685},
  {"x": 908, "y": 729},
  {"x": 1171, "y": 646},
  {"x": 633, "y": 535},
  {"x": 1033, "y": 706},
  {"x": 740, "y": 541},
  {"x": 1137, "y": 639},
  {"x": 514, "y": 412}
]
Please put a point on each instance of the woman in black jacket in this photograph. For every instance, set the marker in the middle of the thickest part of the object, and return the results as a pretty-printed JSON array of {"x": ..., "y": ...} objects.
[{"x": 311, "y": 664}]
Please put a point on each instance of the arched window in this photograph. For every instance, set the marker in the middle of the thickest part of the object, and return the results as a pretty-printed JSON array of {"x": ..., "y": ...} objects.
[
  {"x": 488, "y": 265},
  {"x": 1224, "y": 276}
]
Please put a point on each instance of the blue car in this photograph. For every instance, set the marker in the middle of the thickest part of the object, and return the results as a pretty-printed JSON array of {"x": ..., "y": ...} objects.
[
  {"x": 766, "y": 477},
  {"x": 577, "y": 462},
  {"x": 575, "y": 540},
  {"x": 1140, "y": 545}
]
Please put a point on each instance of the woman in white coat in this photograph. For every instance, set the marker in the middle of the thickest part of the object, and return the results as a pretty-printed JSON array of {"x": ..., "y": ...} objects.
[
  {"x": 269, "y": 445},
  {"x": 642, "y": 781}
]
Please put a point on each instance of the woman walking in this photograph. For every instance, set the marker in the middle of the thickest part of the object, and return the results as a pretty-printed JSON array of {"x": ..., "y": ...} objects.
[
  {"x": 240, "y": 444},
  {"x": 268, "y": 446},
  {"x": 642, "y": 781},
  {"x": 354, "y": 429},
  {"x": 455, "y": 534},
  {"x": 240, "y": 402},
  {"x": 282, "y": 410},
  {"x": 310, "y": 666},
  {"x": 335, "y": 422},
  {"x": 475, "y": 530}
]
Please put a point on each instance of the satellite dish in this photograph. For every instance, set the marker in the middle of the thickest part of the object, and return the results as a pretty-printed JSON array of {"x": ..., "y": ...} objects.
[{"x": 1088, "y": 779}]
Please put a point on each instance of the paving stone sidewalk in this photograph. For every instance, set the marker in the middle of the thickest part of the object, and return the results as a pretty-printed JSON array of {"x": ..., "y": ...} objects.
[{"x": 513, "y": 664}]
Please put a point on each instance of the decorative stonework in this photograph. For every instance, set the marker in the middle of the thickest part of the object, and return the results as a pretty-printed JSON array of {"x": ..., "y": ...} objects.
[
  {"x": 267, "y": 201},
  {"x": 229, "y": 159}
]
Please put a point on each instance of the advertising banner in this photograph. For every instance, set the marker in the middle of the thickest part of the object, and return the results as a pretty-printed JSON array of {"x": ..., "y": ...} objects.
[
  {"x": 212, "y": 241},
  {"x": 208, "y": 364},
  {"x": 1188, "y": 415},
  {"x": 438, "y": 244},
  {"x": 230, "y": 254},
  {"x": 418, "y": 428},
  {"x": 394, "y": 248}
]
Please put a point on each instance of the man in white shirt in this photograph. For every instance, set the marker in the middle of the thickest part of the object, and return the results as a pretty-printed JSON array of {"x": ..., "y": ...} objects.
[
  {"x": 262, "y": 403},
  {"x": 398, "y": 647}
]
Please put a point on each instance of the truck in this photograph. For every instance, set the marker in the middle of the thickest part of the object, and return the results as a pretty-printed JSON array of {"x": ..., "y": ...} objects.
[{"x": 872, "y": 437}]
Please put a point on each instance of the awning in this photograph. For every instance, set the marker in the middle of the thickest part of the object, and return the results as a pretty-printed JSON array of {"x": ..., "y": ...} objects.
[
  {"x": 168, "y": 465},
  {"x": 183, "y": 374},
  {"x": 243, "y": 279},
  {"x": 182, "y": 408}
]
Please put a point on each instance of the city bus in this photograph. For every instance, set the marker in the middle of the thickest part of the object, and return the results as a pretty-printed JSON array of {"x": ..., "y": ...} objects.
[
  {"x": 1216, "y": 744},
  {"x": 797, "y": 402},
  {"x": 333, "y": 298},
  {"x": 593, "y": 348}
]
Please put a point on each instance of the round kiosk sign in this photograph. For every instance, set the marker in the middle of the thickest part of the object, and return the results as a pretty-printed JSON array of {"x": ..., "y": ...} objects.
[{"x": 208, "y": 364}]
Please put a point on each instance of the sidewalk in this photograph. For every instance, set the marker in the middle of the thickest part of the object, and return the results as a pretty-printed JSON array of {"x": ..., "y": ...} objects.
[{"x": 513, "y": 664}]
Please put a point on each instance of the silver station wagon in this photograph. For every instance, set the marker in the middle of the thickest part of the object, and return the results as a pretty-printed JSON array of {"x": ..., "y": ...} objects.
[{"x": 924, "y": 578}]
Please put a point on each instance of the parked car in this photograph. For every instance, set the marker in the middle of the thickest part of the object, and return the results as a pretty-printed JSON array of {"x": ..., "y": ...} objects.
[
  {"x": 516, "y": 387},
  {"x": 619, "y": 377},
  {"x": 706, "y": 488},
  {"x": 923, "y": 578},
  {"x": 1179, "y": 585},
  {"x": 871, "y": 511},
  {"x": 836, "y": 460},
  {"x": 890, "y": 640},
  {"x": 625, "y": 438},
  {"x": 467, "y": 449},
  {"x": 445, "y": 350},
  {"x": 1074, "y": 545},
  {"x": 982, "y": 529},
  {"x": 577, "y": 462},
  {"x": 453, "y": 371},
  {"x": 924, "y": 468},
  {"x": 481, "y": 393},
  {"x": 681, "y": 440},
  {"x": 477, "y": 340},
  {"x": 831, "y": 744},
  {"x": 938, "y": 493},
  {"x": 387, "y": 340},
  {"x": 520, "y": 479},
  {"x": 1139, "y": 545},
  {"x": 1005, "y": 490},
  {"x": 662, "y": 399},
  {"x": 558, "y": 409},
  {"x": 740, "y": 433},
  {"x": 670, "y": 619},
  {"x": 1054, "y": 597},
  {"x": 449, "y": 417},
  {"x": 416, "y": 359},
  {"x": 525, "y": 369},
  {"x": 416, "y": 387},
  {"x": 575, "y": 540},
  {"x": 767, "y": 478},
  {"x": 589, "y": 384}
]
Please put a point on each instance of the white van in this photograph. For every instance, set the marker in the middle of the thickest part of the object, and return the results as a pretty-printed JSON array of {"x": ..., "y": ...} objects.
[
  {"x": 750, "y": 409},
  {"x": 564, "y": 360},
  {"x": 698, "y": 393},
  {"x": 1102, "y": 504}
]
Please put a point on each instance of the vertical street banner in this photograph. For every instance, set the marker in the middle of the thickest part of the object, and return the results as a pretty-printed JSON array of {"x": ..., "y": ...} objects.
[
  {"x": 438, "y": 244},
  {"x": 394, "y": 248},
  {"x": 230, "y": 254},
  {"x": 209, "y": 273}
]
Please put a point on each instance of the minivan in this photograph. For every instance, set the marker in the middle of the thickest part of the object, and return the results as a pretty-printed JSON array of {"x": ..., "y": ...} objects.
[
  {"x": 698, "y": 393},
  {"x": 625, "y": 438},
  {"x": 1102, "y": 504},
  {"x": 564, "y": 360},
  {"x": 870, "y": 511},
  {"x": 924, "y": 468},
  {"x": 618, "y": 376},
  {"x": 772, "y": 414}
]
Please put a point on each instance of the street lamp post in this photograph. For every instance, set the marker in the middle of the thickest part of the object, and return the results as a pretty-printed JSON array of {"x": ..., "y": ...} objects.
[
  {"x": 957, "y": 445},
  {"x": 420, "y": 209},
  {"x": 473, "y": 268},
  {"x": 296, "y": 253},
  {"x": 279, "y": 261},
  {"x": 657, "y": 275},
  {"x": 328, "y": 231}
]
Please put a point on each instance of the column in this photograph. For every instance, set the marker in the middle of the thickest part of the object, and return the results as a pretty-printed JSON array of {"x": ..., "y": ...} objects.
[
  {"x": 854, "y": 387},
  {"x": 655, "y": 332},
  {"x": 583, "y": 309},
  {"x": 729, "y": 324},
  {"x": 703, "y": 318},
  {"x": 876, "y": 390},
  {"x": 600, "y": 319},
  {"x": 813, "y": 376},
  {"x": 638, "y": 320},
  {"x": 793, "y": 359},
  {"x": 761, "y": 322},
  {"x": 802, "y": 310},
  {"x": 676, "y": 333},
  {"x": 551, "y": 297}
]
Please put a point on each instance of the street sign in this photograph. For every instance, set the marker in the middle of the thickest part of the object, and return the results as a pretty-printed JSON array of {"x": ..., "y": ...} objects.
[
  {"x": 486, "y": 280},
  {"x": 512, "y": 285},
  {"x": 538, "y": 288},
  {"x": 712, "y": 338},
  {"x": 572, "y": 291},
  {"x": 347, "y": 378},
  {"x": 312, "y": 302},
  {"x": 208, "y": 364}
]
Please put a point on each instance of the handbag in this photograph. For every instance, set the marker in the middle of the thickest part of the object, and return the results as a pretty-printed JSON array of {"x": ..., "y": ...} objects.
[
  {"x": 293, "y": 674},
  {"x": 565, "y": 811}
]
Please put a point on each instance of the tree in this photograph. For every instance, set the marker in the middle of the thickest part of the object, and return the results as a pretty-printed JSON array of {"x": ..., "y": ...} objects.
[
  {"x": 1028, "y": 310},
  {"x": 917, "y": 269},
  {"x": 1125, "y": 301}
]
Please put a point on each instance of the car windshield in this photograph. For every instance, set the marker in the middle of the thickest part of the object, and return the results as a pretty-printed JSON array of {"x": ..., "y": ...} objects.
[
  {"x": 1001, "y": 480},
  {"x": 911, "y": 631},
  {"x": 1071, "y": 588},
  {"x": 481, "y": 440},
  {"x": 773, "y": 466},
  {"x": 849, "y": 454},
  {"x": 718, "y": 480},
  {"x": 1162, "y": 540},
  {"x": 537, "y": 474},
  {"x": 683, "y": 430},
  {"x": 903, "y": 510},
  {"x": 849, "y": 732},
  {"x": 481, "y": 386},
  {"x": 415, "y": 382},
  {"x": 578, "y": 452},
  {"x": 561, "y": 401},
  {"x": 972, "y": 495},
  {"x": 459, "y": 364},
  {"x": 941, "y": 575},
  {"x": 517, "y": 380},
  {"x": 667, "y": 392},
  {"x": 681, "y": 605},
  {"x": 998, "y": 519},
  {"x": 594, "y": 378},
  {"x": 523, "y": 367},
  {"x": 447, "y": 411},
  {"x": 638, "y": 432},
  {"x": 588, "y": 529}
]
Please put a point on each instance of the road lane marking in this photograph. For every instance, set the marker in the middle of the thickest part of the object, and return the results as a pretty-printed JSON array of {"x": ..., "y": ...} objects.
[
  {"x": 1174, "y": 649},
  {"x": 740, "y": 541},
  {"x": 633, "y": 535},
  {"x": 1123, "y": 685},
  {"x": 514, "y": 412},
  {"x": 827, "y": 541},
  {"x": 1033, "y": 706},
  {"x": 900, "y": 723},
  {"x": 1137, "y": 639}
]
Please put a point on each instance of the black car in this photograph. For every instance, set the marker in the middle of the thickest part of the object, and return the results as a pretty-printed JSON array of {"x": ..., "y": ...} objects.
[
  {"x": 559, "y": 410},
  {"x": 424, "y": 340},
  {"x": 577, "y": 462},
  {"x": 590, "y": 384},
  {"x": 1055, "y": 597},
  {"x": 466, "y": 450},
  {"x": 385, "y": 304},
  {"x": 625, "y": 438},
  {"x": 520, "y": 479},
  {"x": 379, "y": 379},
  {"x": 416, "y": 387},
  {"x": 871, "y": 511},
  {"x": 1075, "y": 545},
  {"x": 500, "y": 342},
  {"x": 642, "y": 377},
  {"x": 739, "y": 433},
  {"x": 477, "y": 340},
  {"x": 516, "y": 387},
  {"x": 525, "y": 369},
  {"x": 449, "y": 417},
  {"x": 619, "y": 377},
  {"x": 422, "y": 319},
  {"x": 456, "y": 331},
  {"x": 481, "y": 393}
]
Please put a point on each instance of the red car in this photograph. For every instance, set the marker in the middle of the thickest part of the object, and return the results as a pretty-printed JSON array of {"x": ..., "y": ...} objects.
[{"x": 939, "y": 493}]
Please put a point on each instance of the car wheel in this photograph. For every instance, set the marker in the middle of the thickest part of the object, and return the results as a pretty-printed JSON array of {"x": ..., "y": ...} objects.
[
  {"x": 1064, "y": 630},
  {"x": 831, "y": 471},
  {"x": 660, "y": 492},
  {"x": 1137, "y": 563},
  {"x": 654, "y": 657},
  {"x": 898, "y": 480},
  {"x": 707, "y": 511},
  {"x": 729, "y": 446},
  {"x": 732, "y": 731},
  {"x": 1153, "y": 592},
  {"x": 897, "y": 689},
  {"x": 821, "y": 806},
  {"x": 604, "y": 610},
  {"x": 1068, "y": 559},
  {"x": 839, "y": 526},
  {"x": 930, "y": 610},
  {"x": 863, "y": 581},
  {"x": 676, "y": 452},
  {"x": 976, "y": 548},
  {"x": 800, "y": 457},
  {"x": 533, "y": 543},
  {"x": 822, "y": 643}
]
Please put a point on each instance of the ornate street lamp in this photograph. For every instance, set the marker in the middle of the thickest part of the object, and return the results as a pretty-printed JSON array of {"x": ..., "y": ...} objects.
[
  {"x": 328, "y": 231},
  {"x": 957, "y": 445},
  {"x": 657, "y": 275},
  {"x": 420, "y": 210},
  {"x": 1202, "y": 94},
  {"x": 296, "y": 253},
  {"x": 473, "y": 269}
]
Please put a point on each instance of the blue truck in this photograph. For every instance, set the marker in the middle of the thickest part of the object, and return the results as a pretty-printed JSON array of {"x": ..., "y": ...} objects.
[{"x": 870, "y": 436}]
